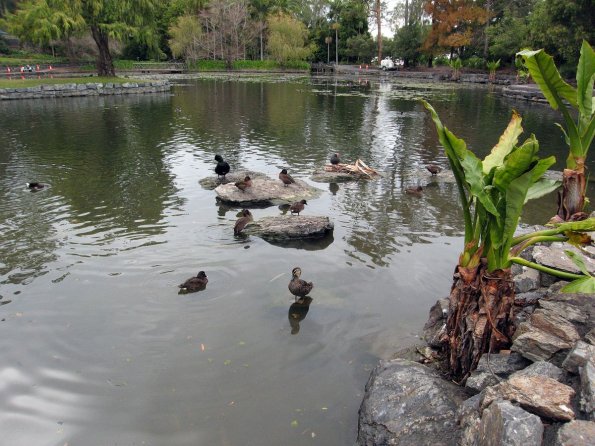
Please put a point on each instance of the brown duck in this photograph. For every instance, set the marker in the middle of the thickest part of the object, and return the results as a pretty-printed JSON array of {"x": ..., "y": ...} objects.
[
  {"x": 434, "y": 169},
  {"x": 297, "y": 286},
  {"x": 242, "y": 221},
  {"x": 414, "y": 190},
  {"x": 286, "y": 178},
  {"x": 297, "y": 207},
  {"x": 244, "y": 184},
  {"x": 195, "y": 283}
]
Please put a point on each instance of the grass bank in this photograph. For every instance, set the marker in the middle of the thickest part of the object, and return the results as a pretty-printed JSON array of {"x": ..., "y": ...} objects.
[{"x": 25, "y": 83}]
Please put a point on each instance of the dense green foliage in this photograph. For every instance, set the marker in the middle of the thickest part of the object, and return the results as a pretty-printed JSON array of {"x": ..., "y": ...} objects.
[{"x": 424, "y": 31}]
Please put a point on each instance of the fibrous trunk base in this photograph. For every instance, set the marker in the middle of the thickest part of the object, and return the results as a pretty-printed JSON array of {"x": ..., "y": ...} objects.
[{"x": 571, "y": 199}]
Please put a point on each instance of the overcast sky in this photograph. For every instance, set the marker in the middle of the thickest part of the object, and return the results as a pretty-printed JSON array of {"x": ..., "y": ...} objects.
[{"x": 386, "y": 30}]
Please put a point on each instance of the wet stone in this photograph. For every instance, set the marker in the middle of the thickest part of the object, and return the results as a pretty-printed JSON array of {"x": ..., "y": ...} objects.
[
  {"x": 505, "y": 424},
  {"x": 265, "y": 191},
  {"x": 290, "y": 227}
]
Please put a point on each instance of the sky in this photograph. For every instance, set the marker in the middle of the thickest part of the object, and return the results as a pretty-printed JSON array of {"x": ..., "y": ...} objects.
[{"x": 386, "y": 30}]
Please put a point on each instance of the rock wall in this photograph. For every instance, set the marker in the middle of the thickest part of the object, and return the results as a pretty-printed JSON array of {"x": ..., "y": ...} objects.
[{"x": 89, "y": 89}]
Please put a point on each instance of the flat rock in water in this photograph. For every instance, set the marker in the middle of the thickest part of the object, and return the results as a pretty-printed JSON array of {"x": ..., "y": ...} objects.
[
  {"x": 285, "y": 227},
  {"x": 335, "y": 177},
  {"x": 213, "y": 181},
  {"x": 266, "y": 192}
]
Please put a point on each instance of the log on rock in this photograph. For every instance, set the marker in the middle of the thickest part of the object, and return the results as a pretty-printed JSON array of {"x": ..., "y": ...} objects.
[
  {"x": 266, "y": 192},
  {"x": 287, "y": 227}
]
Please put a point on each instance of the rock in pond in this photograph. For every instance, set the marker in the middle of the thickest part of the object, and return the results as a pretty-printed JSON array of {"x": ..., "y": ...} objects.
[
  {"x": 212, "y": 182},
  {"x": 408, "y": 404},
  {"x": 290, "y": 227},
  {"x": 266, "y": 192},
  {"x": 334, "y": 177}
]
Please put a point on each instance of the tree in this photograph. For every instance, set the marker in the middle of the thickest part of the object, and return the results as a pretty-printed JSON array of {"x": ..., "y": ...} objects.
[
  {"x": 408, "y": 42},
  {"x": 360, "y": 48},
  {"x": 185, "y": 35},
  {"x": 288, "y": 39},
  {"x": 105, "y": 19}
]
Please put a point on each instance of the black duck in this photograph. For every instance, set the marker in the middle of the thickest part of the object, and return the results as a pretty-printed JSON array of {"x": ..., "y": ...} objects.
[
  {"x": 242, "y": 221},
  {"x": 35, "y": 186},
  {"x": 335, "y": 159},
  {"x": 434, "y": 169},
  {"x": 222, "y": 168},
  {"x": 298, "y": 207},
  {"x": 244, "y": 184},
  {"x": 286, "y": 178},
  {"x": 297, "y": 286},
  {"x": 195, "y": 283}
]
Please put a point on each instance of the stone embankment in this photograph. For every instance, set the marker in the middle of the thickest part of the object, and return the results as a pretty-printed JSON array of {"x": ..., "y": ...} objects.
[
  {"x": 541, "y": 392},
  {"x": 88, "y": 89}
]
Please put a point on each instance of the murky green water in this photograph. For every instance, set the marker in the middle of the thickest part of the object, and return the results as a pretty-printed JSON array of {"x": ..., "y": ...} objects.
[{"x": 97, "y": 346}]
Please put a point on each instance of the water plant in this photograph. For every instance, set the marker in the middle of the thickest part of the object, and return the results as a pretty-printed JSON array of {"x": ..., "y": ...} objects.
[
  {"x": 577, "y": 134},
  {"x": 492, "y": 66},
  {"x": 456, "y": 65},
  {"x": 492, "y": 194}
]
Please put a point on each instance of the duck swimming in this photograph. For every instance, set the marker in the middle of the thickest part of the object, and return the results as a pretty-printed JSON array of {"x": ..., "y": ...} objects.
[
  {"x": 195, "y": 283},
  {"x": 244, "y": 184},
  {"x": 335, "y": 159},
  {"x": 222, "y": 168},
  {"x": 286, "y": 178},
  {"x": 414, "y": 190},
  {"x": 242, "y": 221},
  {"x": 35, "y": 186},
  {"x": 299, "y": 287},
  {"x": 434, "y": 169},
  {"x": 297, "y": 207}
]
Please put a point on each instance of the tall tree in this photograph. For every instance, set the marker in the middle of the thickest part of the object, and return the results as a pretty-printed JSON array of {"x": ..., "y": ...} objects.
[{"x": 288, "y": 38}]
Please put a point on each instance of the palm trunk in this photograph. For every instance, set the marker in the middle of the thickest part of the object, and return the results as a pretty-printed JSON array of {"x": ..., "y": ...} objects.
[
  {"x": 571, "y": 199},
  {"x": 104, "y": 63},
  {"x": 480, "y": 317}
]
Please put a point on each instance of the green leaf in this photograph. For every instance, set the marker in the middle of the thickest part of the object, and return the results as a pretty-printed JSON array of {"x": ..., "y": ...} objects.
[
  {"x": 587, "y": 225},
  {"x": 516, "y": 164},
  {"x": 541, "y": 188},
  {"x": 584, "y": 79},
  {"x": 585, "y": 285},
  {"x": 505, "y": 145},
  {"x": 578, "y": 260},
  {"x": 515, "y": 199},
  {"x": 545, "y": 74}
]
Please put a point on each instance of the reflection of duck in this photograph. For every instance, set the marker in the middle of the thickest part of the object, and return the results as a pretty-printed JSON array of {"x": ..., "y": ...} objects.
[
  {"x": 335, "y": 159},
  {"x": 286, "y": 178},
  {"x": 244, "y": 184},
  {"x": 284, "y": 208},
  {"x": 434, "y": 169},
  {"x": 297, "y": 313},
  {"x": 242, "y": 221},
  {"x": 35, "y": 186},
  {"x": 297, "y": 207},
  {"x": 334, "y": 188},
  {"x": 222, "y": 168},
  {"x": 195, "y": 283},
  {"x": 414, "y": 190},
  {"x": 299, "y": 287}
]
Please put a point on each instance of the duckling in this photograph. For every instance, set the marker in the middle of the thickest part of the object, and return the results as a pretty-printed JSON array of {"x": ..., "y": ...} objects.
[
  {"x": 35, "y": 186},
  {"x": 434, "y": 169},
  {"x": 414, "y": 190},
  {"x": 222, "y": 168},
  {"x": 242, "y": 221},
  {"x": 245, "y": 184},
  {"x": 195, "y": 283},
  {"x": 297, "y": 207},
  {"x": 286, "y": 178},
  {"x": 335, "y": 159},
  {"x": 297, "y": 286}
]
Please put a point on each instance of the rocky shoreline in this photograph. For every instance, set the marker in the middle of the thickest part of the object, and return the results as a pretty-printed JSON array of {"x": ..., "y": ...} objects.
[
  {"x": 541, "y": 392},
  {"x": 87, "y": 89}
]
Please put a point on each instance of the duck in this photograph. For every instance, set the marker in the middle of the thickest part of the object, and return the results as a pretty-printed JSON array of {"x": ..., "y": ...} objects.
[
  {"x": 414, "y": 190},
  {"x": 244, "y": 184},
  {"x": 335, "y": 159},
  {"x": 434, "y": 169},
  {"x": 286, "y": 178},
  {"x": 242, "y": 221},
  {"x": 297, "y": 207},
  {"x": 35, "y": 186},
  {"x": 195, "y": 283},
  {"x": 222, "y": 167},
  {"x": 299, "y": 287}
]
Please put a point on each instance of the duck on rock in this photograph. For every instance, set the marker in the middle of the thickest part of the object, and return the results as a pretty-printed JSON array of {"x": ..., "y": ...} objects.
[
  {"x": 195, "y": 283},
  {"x": 244, "y": 184},
  {"x": 299, "y": 287},
  {"x": 434, "y": 169},
  {"x": 297, "y": 207},
  {"x": 335, "y": 159},
  {"x": 242, "y": 221},
  {"x": 222, "y": 168},
  {"x": 286, "y": 178}
]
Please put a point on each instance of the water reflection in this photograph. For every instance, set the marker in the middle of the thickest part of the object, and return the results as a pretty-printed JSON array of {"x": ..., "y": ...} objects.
[
  {"x": 333, "y": 188},
  {"x": 297, "y": 313},
  {"x": 307, "y": 244}
]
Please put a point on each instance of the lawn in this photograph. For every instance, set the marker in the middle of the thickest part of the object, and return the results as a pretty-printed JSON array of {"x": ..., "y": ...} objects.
[{"x": 17, "y": 82}]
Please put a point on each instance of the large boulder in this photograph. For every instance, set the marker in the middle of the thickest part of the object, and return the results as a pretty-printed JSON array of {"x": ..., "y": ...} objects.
[
  {"x": 407, "y": 403},
  {"x": 576, "y": 433},
  {"x": 266, "y": 192},
  {"x": 505, "y": 424},
  {"x": 285, "y": 227},
  {"x": 237, "y": 175}
]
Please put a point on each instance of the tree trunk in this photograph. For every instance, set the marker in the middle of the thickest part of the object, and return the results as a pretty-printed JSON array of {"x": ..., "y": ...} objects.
[
  {"x": 379, "y": 25},
  {"x": 485, "y": 31},
  {"x": 571, "y": 199},
  {"x": 104, "y": 63},
  {"x": 480, "y": 317}
]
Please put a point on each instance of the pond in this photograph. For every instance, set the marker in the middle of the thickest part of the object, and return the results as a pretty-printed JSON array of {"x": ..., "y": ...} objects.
[{"x": 97, "y": 345}]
